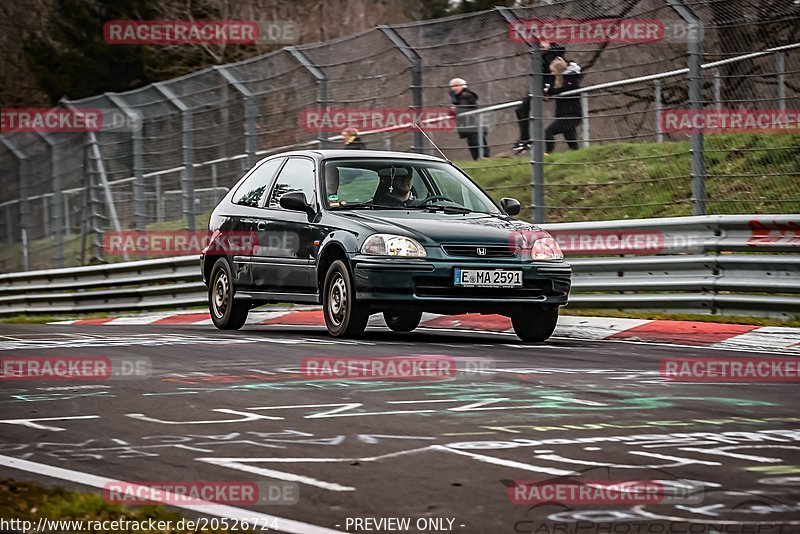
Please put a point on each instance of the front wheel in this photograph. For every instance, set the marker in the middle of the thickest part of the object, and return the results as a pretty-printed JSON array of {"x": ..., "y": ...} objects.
[
  {"x": 402, "y": 321},
  {"x": 535, "y": 325},
  {"x": 226, "y": 313},
  {"x": 344, "y": 316}
]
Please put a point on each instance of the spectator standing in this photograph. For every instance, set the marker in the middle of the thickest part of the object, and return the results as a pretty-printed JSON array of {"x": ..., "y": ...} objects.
[
  {"x": 463, "y": 100},
  {"x": 550, "y": 51},
  {"x": 566, "y": 77}
]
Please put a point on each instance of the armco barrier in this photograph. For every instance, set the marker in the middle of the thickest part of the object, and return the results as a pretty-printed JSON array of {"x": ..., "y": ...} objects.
[{"x": 726, "y": 264}]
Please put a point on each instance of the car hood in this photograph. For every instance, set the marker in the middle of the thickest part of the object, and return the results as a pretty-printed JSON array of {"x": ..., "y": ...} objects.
[{"x": 433, "y": 228}]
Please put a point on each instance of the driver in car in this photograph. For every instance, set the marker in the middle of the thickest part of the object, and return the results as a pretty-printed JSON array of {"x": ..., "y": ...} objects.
[{"x": 399, "y": 191}]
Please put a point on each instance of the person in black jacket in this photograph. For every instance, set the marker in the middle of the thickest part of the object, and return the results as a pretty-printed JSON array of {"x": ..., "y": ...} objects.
[
  {"x": 566, "y": 77},
  {"x": 550, "y": 51},
  {"x": 465, "y": 100}
]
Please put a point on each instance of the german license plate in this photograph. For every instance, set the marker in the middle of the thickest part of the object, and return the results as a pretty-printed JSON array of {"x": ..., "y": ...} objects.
[{"x": 487, "y": 278}]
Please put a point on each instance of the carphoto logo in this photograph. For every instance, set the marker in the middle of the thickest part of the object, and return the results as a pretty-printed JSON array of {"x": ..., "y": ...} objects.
[
  {"x": 381, "y": 368},
  {"x": 730, "y": 121},
  {"x": 400, "y": 119},
  {"x": 74, "y": 368},
  {"x": 180, "y": 243},
  {"x": 731, "y": 369},
  {"x": 50, "y": 120},
  {"x": 172, "y": 32},
  {"x": 235, "y": 493}
]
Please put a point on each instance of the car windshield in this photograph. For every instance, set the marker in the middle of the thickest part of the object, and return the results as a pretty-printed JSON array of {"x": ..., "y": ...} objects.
[{"x": 401, "y": 184}]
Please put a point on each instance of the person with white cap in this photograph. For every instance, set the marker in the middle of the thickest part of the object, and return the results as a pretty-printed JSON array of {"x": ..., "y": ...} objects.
[{"x": 463, "y": 100}]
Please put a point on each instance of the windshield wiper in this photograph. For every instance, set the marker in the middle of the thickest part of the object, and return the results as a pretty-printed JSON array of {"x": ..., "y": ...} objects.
[
  {"x": 367, "y": 206},
  {"x": 446, "y": 209}
]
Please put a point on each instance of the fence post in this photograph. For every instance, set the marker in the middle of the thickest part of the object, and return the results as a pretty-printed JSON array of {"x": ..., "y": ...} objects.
[
  {"x": 659, "y": 108},
  {"x": 9, "y": 227},
  {"x": 139, "y": 202},
  {"x": 90, "y": 214},
  {"x": 96, "y": 161},
  {"x": 57, "y": 198},
  {"x": 46, "y": 216},
  {"x": 416, "y": 79},
  {"x": 250, "y": 114},
  {"x": 782, "y": 81},
  {"x": 159, "y": 202},
  {"x": 585, "y": 118},
  {"x": 187, "y": 175},
  {"x": 717, "y": 89},
  {"x": 535, "y": 121},
  {"x": 695, "y": 49},
  {"x": 24, "y": 203},
  {"x": 322, "y": 87}
]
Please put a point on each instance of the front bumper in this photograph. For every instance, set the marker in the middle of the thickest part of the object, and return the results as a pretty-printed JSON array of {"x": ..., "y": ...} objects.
[{"x": 427, "y": 284}]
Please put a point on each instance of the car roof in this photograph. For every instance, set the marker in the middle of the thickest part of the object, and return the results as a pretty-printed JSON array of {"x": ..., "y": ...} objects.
[{"x": 344, "y": 153}]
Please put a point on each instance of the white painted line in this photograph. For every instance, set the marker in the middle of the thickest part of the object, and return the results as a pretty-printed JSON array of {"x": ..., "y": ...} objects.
[
  {"x": 235, "y": 463},
  {"x": 221, "y": 510},
  {"x": 767, "y": 337},
  {"x": 258, "y": 317},
  {"x": 140, "y": 319},
  {"x": 594, "y": 327},
  {"x": 505, "y": 463}
]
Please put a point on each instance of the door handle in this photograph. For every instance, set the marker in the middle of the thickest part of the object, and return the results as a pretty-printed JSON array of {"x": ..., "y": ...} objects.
[{"x": 261, "y": 226}]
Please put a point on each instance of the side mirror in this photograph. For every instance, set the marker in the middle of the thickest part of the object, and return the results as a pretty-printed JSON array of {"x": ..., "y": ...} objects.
[
  {"x": 296, "y": 202},
  {"x": 510, "y": 206}
]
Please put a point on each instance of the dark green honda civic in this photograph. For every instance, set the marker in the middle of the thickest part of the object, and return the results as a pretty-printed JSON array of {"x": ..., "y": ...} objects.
[{"x": 378, "y": 232}]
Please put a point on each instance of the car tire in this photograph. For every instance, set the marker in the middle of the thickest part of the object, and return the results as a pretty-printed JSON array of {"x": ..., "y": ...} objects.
[
  {"x": 344, "y": 316},
  {"x": 226, "y": 312},
  {"x": 535, "y": 325},
  {"x": 402, "y": 321}
]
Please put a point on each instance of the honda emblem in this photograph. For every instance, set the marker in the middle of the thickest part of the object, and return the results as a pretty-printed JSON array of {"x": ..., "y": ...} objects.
[{"x": 481, "y": 252}]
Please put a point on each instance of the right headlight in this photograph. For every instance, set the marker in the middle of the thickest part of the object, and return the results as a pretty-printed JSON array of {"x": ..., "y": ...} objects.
[
  {"x": 546, "y": 248},
  {"x": 393, "y": 245}
]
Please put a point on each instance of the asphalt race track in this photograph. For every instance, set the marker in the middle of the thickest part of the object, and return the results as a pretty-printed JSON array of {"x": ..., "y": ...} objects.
[{"x": 234, "y": 406}]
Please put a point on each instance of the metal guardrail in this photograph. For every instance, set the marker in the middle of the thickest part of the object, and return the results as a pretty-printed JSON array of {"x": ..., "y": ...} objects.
[{"x": 725, "y": 264}]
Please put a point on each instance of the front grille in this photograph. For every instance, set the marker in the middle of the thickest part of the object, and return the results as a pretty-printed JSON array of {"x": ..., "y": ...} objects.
[
  {"x": 430, "y": 286},
  {"x": 471, "y": 251}
]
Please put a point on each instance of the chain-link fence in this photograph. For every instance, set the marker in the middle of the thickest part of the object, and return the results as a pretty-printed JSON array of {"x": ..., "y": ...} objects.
[{"x": 173, "y": 148}]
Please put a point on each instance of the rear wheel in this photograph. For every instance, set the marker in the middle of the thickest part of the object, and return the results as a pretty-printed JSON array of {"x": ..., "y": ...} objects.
[
  {"x": 402, "y": 321},
  {"x": 344, "y": 316},
  {"x": 535, "y": 324},
  {"x": 226, "y": 313}
]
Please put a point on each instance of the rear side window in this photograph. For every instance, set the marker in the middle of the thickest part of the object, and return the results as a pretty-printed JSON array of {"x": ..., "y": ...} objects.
[{"x": 255, "y": 186}]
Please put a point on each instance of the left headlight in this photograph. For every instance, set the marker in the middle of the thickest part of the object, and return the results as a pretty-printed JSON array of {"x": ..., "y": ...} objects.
[
  {"x": 393, "y": 245},
  {"x": 546, "y": 248}
]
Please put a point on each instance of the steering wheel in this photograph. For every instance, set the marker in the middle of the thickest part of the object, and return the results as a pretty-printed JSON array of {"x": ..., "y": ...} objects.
[{"x": 432, "y": 198}]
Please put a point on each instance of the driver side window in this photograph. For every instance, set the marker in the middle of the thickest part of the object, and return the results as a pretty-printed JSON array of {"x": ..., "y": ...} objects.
[{"x": 296, "y": 176}]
